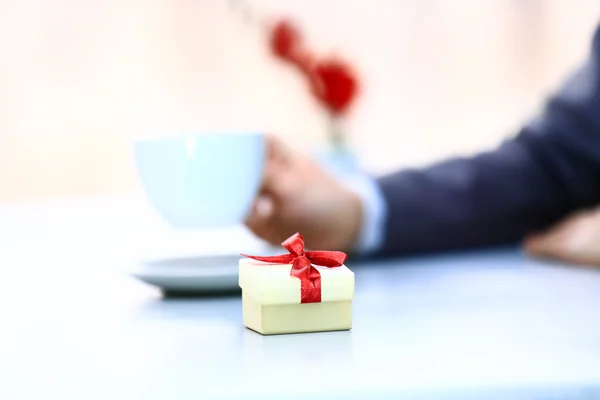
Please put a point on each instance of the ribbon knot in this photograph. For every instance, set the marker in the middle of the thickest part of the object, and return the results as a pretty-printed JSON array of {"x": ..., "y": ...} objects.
[{"x": 303, "y": 265}]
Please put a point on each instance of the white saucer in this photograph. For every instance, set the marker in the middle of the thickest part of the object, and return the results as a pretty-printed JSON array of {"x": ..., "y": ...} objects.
[
  {"x": 202, "y": 273},
  {"x": 196, "y": 262}
]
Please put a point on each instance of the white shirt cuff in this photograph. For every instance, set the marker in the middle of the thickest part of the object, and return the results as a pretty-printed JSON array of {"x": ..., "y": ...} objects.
[{"x": 374, "y": 212}]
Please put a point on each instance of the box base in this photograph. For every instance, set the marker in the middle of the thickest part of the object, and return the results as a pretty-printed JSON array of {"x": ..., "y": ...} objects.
[{"x": 280, "y": 319}]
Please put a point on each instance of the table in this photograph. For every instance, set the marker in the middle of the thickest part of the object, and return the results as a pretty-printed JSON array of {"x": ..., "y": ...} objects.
[{"x": 479, "y": 325}]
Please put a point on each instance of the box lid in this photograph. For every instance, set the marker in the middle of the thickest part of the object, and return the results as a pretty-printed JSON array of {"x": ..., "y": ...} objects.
[{"x": 272, "y": 284}]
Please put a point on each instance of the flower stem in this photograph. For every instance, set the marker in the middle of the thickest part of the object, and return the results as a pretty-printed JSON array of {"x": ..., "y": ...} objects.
[{"x": 336, "y": 135}]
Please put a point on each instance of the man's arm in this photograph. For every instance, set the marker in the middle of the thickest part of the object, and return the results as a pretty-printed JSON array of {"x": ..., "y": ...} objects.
[{"x": 550, "y": 168}]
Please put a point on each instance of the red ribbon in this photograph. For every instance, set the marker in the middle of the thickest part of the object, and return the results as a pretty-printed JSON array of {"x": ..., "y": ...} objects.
[{"x": 302, "y": 265}]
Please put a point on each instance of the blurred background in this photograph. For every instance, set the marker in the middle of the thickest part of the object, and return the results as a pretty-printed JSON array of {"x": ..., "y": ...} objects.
[{"x": 79, "y": 80}]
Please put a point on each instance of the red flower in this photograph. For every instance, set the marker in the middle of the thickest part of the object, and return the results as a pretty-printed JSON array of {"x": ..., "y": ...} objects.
[
  {"x": 286, "y": 43},
  {"x": 285, "y": 40},
  {"x": 334, "y": 84}
]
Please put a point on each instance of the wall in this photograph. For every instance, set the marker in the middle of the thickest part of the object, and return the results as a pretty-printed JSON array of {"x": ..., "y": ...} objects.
[{"x": 79, "y": 80}]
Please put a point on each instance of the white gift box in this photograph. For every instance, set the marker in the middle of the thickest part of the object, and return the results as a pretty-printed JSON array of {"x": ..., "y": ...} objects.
[{"x": 271, "y": 299}]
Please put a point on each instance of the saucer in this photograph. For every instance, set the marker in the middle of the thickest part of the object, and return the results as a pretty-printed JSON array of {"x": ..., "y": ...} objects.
[
  {"x": 190, "y": 274},
  {"x": 197, "y": 262},
  {"x": 193, "y": 274}
]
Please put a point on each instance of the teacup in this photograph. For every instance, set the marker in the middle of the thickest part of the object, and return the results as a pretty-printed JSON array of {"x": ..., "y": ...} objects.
[{"x": 201, "y": 181}]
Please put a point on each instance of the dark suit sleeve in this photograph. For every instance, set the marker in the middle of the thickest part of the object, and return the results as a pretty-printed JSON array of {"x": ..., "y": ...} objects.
[{"x": 550, "y": 168}]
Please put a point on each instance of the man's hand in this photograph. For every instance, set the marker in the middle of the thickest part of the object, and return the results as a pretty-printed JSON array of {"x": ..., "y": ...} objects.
[
  {"x": 575, "y": 240},
  {"x": 298, "y": 196}
]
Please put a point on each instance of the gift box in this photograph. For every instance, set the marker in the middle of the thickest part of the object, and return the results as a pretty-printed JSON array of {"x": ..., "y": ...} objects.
[{"x": 299, "y": 292}]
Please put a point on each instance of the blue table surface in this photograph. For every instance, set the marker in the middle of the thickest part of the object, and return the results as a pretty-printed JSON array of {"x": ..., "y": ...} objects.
[{"x": 479, "y": 325}]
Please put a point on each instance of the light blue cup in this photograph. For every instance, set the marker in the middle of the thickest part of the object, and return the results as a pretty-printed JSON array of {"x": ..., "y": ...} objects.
[{"x": 202, "y": 181}]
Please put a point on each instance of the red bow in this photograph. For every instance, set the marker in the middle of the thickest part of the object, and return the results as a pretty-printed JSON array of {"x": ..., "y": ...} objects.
[{"x": 302, "y": 265}]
